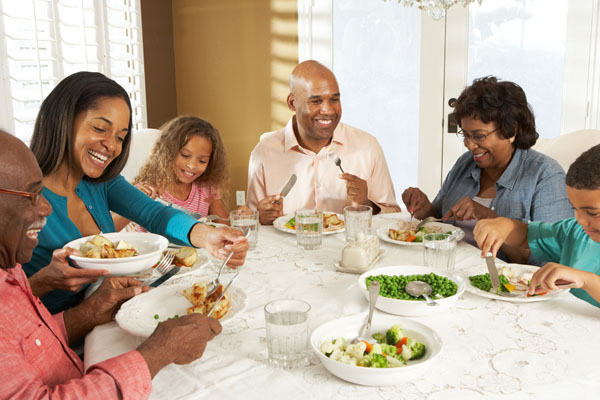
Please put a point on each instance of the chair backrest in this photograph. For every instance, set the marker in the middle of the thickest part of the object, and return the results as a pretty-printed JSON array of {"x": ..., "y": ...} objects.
[
  {"x": 142, "y": 142},
  {"x": 566, "y": 148}
]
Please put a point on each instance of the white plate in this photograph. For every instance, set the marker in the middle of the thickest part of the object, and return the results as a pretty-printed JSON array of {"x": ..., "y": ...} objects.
[
  {"x": 519, "y": 269},
  {"x": 382, "y": 233},
  {"x": 149, "y": 246},
  {"x": 136, "y": 316},
  {"x": 280, "y": 222},
  {"x": 340, "y": 268},
  {"x": 348, "y": 327},
  {"x": 412, "y": 308}
]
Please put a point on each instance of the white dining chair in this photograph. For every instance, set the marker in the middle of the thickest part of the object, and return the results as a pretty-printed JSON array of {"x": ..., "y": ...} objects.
[
  {"x": 142, "y": 142},
  {"x": 566, "y": 148}
]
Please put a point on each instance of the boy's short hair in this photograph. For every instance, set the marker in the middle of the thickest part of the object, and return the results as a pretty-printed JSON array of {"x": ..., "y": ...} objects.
[{"x": 584, "y": 173}]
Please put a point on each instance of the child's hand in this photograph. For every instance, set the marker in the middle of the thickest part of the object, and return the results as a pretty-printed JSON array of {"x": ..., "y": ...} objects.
[
  {"x": 490, "y": 234},
  {"x": 149, "y": 190},
  {"x": 552, "y": 275}
]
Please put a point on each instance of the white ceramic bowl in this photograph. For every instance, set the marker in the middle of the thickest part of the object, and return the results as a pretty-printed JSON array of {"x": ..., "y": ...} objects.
[
  {"x": 149, "y": 246},
  {"x": 348, "y": 327},
  {"x": 412, "y": 308}
]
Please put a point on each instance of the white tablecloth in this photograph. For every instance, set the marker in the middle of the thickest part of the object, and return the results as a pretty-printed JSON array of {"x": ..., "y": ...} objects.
[{"x": 492, "y": 349}]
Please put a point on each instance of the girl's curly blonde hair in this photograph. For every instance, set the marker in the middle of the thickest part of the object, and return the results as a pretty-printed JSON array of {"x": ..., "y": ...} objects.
[{"x": 158, "y": 169}]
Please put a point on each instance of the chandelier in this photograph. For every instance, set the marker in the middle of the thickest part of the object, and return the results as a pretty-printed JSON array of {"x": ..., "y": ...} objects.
[{"x": 436, "y": 8}]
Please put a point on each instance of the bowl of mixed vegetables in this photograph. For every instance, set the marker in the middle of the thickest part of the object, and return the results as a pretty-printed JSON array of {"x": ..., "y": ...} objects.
[
  {"x": 446, "y": 289},
  {"x": 398, "y": 349}
]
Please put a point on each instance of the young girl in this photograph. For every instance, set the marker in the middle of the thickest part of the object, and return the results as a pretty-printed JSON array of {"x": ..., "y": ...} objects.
[{"x": 187, "y": 167}]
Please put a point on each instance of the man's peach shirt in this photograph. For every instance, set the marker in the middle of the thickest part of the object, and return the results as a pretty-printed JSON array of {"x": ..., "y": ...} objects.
[{"x": 278, "y": 155}]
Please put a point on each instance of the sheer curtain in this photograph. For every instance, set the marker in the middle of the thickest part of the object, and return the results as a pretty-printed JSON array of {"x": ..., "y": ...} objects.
[{"x": 43, "y": 41}]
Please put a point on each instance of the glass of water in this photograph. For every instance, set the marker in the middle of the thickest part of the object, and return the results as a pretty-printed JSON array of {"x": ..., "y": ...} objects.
[
  {"x": 357, "y": 219},
  {"x": 246, "y": 220},
  {"x": 439, "y": 251},
  {"x": 287, "y": 332},
  {"x": 309, "y": 229}
]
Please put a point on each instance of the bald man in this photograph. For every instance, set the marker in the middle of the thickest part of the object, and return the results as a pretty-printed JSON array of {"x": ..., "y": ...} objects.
[
  {"x": 302, "y": 148},
  {"x": 34, "y": 345}
]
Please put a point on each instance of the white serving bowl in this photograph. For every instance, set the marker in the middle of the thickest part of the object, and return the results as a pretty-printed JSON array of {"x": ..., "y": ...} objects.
[
  {"x": 412, "y": 308},
  {"x": 149, "y": 246},
  {"x": 348, "y": 327}
]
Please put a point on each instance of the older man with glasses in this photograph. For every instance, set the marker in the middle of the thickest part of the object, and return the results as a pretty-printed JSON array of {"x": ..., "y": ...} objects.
[
  {"x": 34, "y": 345},
  {"x": 500, "y": 175}
]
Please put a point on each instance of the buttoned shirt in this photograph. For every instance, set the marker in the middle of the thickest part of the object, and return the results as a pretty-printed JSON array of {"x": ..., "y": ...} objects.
[
  {"x": 278, "y": 155},
  {"x": 532, "y": 188},
  {"x": 37, "y": 363}
]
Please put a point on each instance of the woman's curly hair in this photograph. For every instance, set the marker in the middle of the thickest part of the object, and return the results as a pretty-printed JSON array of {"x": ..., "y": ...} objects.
[
  {"x": 158, "y": 170},
  {"x": 502, "y": 102}
]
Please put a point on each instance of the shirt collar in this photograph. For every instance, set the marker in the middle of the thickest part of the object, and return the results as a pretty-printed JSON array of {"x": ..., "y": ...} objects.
[
  {"x": 290, "y": 141},
  {"x": 509, "y": 177}
]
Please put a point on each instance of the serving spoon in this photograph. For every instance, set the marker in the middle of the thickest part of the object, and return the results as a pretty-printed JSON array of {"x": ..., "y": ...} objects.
[
  {"x": 418, "y": 289},
  {"x": 365, "y": 330}
]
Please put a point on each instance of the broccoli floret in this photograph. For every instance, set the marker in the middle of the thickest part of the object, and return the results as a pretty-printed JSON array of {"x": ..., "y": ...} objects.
[
  {"x": 379, "y": 337},
  {"x": 389, "y": 349},
  {"x": 374, "y": 360},
  {"x": 418, "y": 351},
  {"x": 394, "y": 334},
  {"x": 394, "y": 362},
  {"x": 413, "y": 350},
  {"x": 399, "y": 357}
]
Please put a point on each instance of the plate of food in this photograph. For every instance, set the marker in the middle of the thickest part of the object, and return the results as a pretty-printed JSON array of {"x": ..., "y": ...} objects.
[
  {"x": 446, "y": 289},
  {"x": 178, "y": 297},
  {"x": 404, "y": 233},
  {"x": 122, "y": 253},
  {"x": 332, "y": 223},
  {"x": 398, "y": 350},
  {"x": 514, "y": 280}
]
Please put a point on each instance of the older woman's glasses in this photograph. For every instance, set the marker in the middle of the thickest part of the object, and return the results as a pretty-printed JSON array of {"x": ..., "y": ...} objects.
[
  {"x": 475, "y": 138},
  {"x": 33, "y": 196}
]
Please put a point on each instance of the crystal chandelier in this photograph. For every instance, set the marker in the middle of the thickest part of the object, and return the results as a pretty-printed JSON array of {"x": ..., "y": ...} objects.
[{"x": 436, "y": 8}]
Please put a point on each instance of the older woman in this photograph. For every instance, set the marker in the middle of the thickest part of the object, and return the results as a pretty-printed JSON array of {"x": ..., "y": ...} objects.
[
  {"x": 500, "y": 175},
  {"x": 81, "y": 141}
]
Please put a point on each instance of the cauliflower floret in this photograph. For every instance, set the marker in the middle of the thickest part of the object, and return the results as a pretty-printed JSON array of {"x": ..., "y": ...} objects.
[
  {"x": 336, "y": 355},
  {"x": 393, "y": 362},
  {"x": 356, "y": 350},
  {"x": 406, "y": 352},
  {"x": 376, "y": 349},
  {"x": 346, "y": 359},
  {"x": 329, "y": 346}
]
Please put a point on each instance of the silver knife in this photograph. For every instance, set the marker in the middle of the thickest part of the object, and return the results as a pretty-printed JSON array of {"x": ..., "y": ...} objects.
[
  {"x": 491, "y": 265},
  {"x": 223, "y": 293},
  {"x": 165, "y": 277},
  {"x": 288, "y": 186}
]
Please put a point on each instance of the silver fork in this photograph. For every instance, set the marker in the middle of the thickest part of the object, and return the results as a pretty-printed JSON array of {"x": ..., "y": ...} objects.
[{"x": 164, "y": 265}]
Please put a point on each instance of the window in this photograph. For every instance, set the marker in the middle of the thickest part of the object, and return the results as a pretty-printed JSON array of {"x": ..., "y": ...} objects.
[{"x": 43, "y": 41}]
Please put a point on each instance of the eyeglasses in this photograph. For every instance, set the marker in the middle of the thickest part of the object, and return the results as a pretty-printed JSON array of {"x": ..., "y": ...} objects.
[
  {"x": 33, "y": 196},
  {"x": 476, "y": 138}
]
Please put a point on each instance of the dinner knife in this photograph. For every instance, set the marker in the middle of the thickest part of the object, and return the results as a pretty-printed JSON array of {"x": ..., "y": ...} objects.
[
  {"x": 223, "y": 293},
  {"x": 165, "y": 277},
  {"x": 288, "y": 186},
  {"x": 491, "y": 265}
]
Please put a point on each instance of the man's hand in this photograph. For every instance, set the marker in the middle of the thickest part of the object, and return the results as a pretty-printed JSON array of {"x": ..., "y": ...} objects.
[
  {"x": 467, "y": 209},
  {"x": 60, "y": 275},
  {"x": 357, "y": 191},
  {"x": 219, "y": 242},
  {"x": 270, "y": 208},
  {"x": 417, "y": 202},
  {"x": 101, "y": 306},
  {"x": 180, "y": 341}
]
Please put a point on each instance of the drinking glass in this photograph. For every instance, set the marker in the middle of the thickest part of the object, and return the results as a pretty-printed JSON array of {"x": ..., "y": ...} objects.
[
  {"x": 439, "y": 251},
  {"x": 309, "y": 229},
  {"x": 287, "y": 332},
  {"x": 246, "y": 220},
  {"x": 357, "y": 219}
]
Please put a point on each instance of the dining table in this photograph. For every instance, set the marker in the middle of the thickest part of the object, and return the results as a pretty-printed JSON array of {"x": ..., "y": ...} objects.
[{"x": 491, "y": 349}]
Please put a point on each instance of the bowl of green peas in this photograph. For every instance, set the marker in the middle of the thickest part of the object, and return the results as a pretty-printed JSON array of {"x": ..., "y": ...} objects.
[{"x": 446, "y": 289}]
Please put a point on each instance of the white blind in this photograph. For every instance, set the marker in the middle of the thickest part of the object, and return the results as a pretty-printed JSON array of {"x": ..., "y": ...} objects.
[{"x": 43, "y": 41}]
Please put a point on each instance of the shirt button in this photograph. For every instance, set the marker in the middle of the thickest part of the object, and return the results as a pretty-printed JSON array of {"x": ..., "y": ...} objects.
[
  {"x": 90, "y": 207},
  {"x": 493, "y": 208},
  {"x": 38, "y": 342}
]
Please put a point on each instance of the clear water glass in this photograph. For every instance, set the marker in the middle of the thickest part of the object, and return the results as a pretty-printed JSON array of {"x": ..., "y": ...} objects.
[
  {"x": 439, "y": 251},
  {"x": 357, "y": 219},
  {"x": 287, "y": 332},
  {"x": 309, "y": 229},
  {"x": 246, "y": 220}
]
